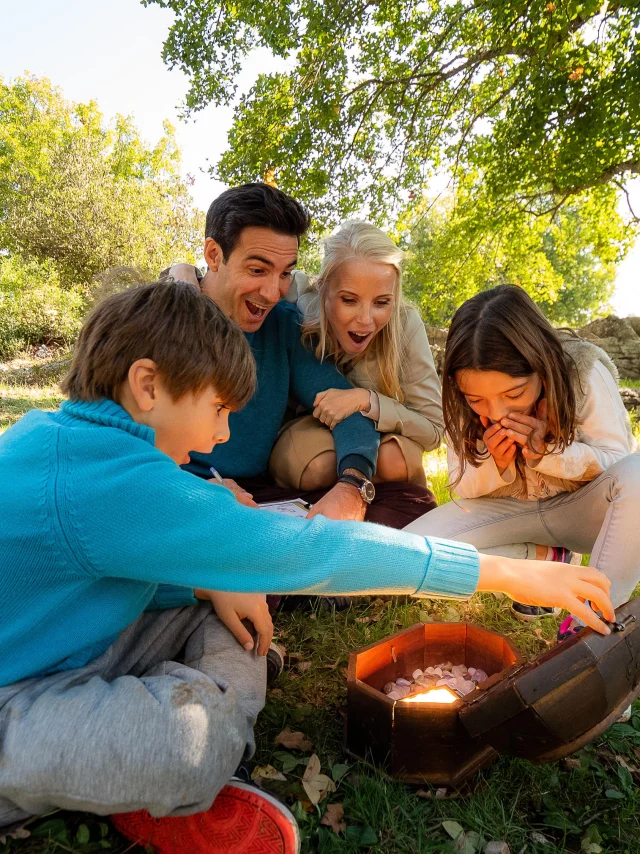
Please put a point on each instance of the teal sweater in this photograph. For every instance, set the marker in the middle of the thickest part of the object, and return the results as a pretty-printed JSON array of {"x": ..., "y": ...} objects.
[
  {"x": 97, "y": 525},
  {"x": 285, "y": 369}
]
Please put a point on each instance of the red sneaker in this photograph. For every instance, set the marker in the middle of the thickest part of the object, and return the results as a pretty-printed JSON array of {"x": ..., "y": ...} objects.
[{"x": 242, "y": 820}]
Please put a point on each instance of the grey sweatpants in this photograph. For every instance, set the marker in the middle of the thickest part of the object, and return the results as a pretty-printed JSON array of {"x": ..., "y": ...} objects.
[
  {"x": 602, "y": 517},
  {"x": 159, "y": 722}
]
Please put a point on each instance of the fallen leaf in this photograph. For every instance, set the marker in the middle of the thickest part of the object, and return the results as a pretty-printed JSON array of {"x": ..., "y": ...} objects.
[
  {"x": 365, "y": 620},
  {"x": 497, "y": 846},
  {"x": 571, "y": 764},
  {"x": 318, "y": 788},
  {"x": 621, "y": 760},
  {"x": 316, "y": 785},
  {"x": 339, "y": 770},
  {"x": 469, "y": 843},
  {"x": 454, "y": 829},
  {"x": 362, "y": 836},
  {"x": 16, "y": 833},
  {"x": 294, "y": 740},
  {"x": 439, "y": 794},
  {"x": 539, "y": 838},
  {"x": 333, "y": 818},
  {"x": 266, "y": 772},
  {"x": 590, "y": 843},
  {"x": 289, "y": 761},
  {"x": 313, "y": 767},
  {"x": 538, "y": 634},
  {"x": 304, "y": 665}
]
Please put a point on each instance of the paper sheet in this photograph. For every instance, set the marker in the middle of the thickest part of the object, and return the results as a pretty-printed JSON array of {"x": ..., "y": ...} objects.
[{"x": 294, "y": 507}]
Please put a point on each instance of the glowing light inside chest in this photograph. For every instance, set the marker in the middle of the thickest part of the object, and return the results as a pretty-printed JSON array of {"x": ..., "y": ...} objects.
[{"x": 434, "y": 695}]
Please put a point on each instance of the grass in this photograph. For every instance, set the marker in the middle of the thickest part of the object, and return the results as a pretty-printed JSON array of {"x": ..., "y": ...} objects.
[{"x": 587, "y": 805}]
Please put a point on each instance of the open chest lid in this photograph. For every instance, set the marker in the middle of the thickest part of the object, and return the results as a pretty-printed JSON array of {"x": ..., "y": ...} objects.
[{"x": 563, "y": 699}]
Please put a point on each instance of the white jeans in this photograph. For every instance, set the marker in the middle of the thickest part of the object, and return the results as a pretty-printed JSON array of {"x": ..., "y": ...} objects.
[{"x": 602, "y": 517}]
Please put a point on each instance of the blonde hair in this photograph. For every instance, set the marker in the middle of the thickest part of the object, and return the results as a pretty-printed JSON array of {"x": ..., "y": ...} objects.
[{"x": 361, "y": 240}]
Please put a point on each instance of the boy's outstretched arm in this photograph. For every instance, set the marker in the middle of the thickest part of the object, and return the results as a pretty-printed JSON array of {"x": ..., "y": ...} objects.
[{"x": 160, "y": 524}]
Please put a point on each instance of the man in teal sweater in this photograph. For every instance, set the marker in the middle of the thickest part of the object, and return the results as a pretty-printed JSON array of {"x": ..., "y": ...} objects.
[
  {"x": 119, "y": 693},
  {"x": 251, "y": 247}
]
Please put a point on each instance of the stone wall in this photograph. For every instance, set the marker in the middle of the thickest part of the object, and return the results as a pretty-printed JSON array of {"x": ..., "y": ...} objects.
[{"x": 620, "y": 338}]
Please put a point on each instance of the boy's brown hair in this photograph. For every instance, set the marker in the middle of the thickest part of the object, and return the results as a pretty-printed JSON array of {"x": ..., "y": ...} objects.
[{"x": 192, "y": 342}]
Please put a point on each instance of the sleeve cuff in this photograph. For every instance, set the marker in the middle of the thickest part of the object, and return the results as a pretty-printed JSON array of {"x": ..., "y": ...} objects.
[
  {"x": 374, "y": 406},
  {"x": 356, "y": 461},
  {"x": 452, "y": 572},
  {"x": 171, "y": 596},
  {"x": 508, "y": 475}
]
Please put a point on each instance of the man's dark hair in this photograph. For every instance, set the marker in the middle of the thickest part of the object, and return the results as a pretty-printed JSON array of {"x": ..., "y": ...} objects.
[
  {"x": 192, "y": 342},
  {"x": 253, "y": 205}
]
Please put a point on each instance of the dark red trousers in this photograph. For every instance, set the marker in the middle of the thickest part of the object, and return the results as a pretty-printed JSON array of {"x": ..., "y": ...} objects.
[{"x": 395, "y": 505}]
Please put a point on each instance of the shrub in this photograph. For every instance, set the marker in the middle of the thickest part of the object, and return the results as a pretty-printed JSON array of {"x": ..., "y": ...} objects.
[{"x": 34, "y": 309}]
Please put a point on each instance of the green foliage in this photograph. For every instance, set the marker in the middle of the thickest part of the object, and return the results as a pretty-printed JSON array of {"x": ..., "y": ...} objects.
[
  {"x": 34, "y": 308},
  {"x": 540, "y": 99},
  {"x": 459, "y": 246},
  {"x": 79, "y": 196}
]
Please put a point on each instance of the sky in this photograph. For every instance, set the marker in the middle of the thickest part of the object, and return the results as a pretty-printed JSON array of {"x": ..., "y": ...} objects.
[{"x": 111, "y": 52}]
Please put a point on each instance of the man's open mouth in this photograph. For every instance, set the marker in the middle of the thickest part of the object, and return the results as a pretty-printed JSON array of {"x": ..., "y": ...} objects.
[
  {"x": 255, "y": 310},
  {"x": 359, "y": 338}
]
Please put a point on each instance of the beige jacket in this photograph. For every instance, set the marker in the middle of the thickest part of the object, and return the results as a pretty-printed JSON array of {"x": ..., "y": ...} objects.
[
  {"x": 603, "y": 436},
  {"x": 420, "y": 416}
]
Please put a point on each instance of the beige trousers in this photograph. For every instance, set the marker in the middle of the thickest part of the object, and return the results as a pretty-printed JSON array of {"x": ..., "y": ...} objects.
[{"x": 303, "y": 439}]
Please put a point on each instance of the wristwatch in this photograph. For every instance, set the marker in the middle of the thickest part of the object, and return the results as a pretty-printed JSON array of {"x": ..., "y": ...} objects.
[{"x": 365, "y": 487}]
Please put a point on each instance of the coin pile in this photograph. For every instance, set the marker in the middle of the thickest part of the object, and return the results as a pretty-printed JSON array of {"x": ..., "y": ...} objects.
[{"x": 458, "y": 678}]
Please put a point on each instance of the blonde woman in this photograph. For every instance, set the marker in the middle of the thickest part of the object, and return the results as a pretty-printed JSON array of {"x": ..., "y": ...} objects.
[{"x": 354, "y": 314}]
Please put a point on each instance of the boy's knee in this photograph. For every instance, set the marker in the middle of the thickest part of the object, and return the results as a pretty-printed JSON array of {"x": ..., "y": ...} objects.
[
  {"x": 321, "y": 472},
  {"x": 391, "y": 463},
  {"x": 207, "y": 742}
]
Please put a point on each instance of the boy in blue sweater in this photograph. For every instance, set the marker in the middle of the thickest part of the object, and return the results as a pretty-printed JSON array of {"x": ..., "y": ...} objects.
[{"x": 121, "y": 688}]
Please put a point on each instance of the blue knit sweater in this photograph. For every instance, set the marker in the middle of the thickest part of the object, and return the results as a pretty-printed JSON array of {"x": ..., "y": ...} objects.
[
  {"x": 97, "y": 525},
  {"x": 285, "y": 369}
]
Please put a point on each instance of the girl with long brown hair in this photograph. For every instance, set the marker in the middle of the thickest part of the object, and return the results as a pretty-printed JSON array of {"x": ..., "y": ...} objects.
[{"x": 540, "y": 446}]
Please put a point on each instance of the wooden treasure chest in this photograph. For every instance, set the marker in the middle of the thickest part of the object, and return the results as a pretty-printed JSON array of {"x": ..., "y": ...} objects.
[{"x": 540, "y": 711}]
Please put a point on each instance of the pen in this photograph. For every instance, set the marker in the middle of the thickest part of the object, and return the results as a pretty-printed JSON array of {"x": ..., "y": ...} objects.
[{"x": 216, "y": 474}]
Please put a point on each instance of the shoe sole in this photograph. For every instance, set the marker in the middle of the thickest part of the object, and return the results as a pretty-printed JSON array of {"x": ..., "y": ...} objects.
[
  {"x": 268, "y": 828},
  {"x": 530, "y": 618},
  {"x": 275, "y": 662}
]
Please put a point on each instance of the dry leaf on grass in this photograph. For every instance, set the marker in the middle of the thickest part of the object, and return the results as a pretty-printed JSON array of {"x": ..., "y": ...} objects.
[
  {"x": 266, "y": 772},
  {"x": 538, "y": 634},
  {"x": 316, "y": 785},
  {"x": 294, "y": 740},
  {"x": 304, "y": 665},
  {"x": 15, "y": 833},
  {"x": 539, "y": 838},
  {"x": 333, "y": 818},
  {"x": 439, "y": 794}
]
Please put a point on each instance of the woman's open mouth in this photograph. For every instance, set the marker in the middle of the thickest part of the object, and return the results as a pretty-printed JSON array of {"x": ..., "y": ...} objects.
[
  {"x": 255, "y": 310},
  {"x": 360, "y": 338}
]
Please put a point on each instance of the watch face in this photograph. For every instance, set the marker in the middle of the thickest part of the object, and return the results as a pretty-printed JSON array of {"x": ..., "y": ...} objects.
[{"x": 369, "y": 491}]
